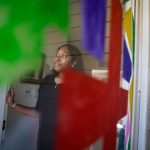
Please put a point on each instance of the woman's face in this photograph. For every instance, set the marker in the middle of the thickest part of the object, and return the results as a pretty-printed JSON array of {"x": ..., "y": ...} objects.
[{"x": 62, "y": 59}]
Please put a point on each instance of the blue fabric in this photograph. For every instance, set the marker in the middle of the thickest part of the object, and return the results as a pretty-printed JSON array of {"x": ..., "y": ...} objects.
[
  {"x": 94, "y": 17},
  {"x": 127, "y": 64}
]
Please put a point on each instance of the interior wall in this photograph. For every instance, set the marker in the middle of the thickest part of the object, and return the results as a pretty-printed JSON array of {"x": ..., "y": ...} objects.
[
  {"x": 75, "y": 37},
  {"x": 54, "y": 38}
]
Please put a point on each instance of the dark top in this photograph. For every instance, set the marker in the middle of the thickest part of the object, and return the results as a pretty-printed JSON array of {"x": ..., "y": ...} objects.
[{"x": 46, "y": 106}]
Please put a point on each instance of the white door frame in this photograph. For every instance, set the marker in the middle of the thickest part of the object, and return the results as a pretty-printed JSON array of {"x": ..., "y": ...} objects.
[
  {"x": 141, "y": 82},
  {"x": 145, "y": 37}
]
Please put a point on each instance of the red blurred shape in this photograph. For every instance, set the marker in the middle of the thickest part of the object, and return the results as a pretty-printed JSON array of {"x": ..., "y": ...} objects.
[
  {"x": 86, "y": 111},
  {"x": 88, "y": 108}
]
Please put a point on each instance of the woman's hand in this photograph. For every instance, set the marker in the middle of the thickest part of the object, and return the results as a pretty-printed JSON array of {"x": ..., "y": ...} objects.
[
  {"x": 29, "y": 111},
  {"x": 10, "y": 97}
]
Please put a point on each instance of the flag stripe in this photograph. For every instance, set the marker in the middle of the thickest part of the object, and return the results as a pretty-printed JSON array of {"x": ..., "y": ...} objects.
[{"x": 128, "y": 63}]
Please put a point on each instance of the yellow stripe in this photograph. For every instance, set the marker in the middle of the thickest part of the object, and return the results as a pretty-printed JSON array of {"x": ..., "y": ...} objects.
[
  {"x": 128, "y": 26},
  {"x": 131, "y": 97}
]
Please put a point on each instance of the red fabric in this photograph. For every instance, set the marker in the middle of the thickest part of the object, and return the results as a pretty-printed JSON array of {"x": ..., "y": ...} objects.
[
  {"x": 119, "y": 97},
  {"x": 88, "y": 108}
]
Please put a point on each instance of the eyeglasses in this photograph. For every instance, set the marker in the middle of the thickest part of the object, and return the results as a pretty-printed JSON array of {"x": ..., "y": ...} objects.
[{"x": 63, "y": 56}]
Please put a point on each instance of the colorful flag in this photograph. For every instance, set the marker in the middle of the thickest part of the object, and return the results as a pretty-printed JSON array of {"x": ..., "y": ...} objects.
[{"x": 128, "y": 64}]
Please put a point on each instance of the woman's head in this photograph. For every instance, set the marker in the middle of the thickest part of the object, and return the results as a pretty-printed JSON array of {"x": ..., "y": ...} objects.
[{"x": 68, "y": 55}]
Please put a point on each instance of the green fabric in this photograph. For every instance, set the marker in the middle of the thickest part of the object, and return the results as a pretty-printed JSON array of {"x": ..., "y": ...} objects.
[
  {"x": 22, "y": 25},
  {"x": 133, "y": 41}
]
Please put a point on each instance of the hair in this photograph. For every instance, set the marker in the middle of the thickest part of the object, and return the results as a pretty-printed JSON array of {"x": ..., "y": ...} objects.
[
  {"x": 76, "y": 58},
  {"x": 75, "y": 53}
]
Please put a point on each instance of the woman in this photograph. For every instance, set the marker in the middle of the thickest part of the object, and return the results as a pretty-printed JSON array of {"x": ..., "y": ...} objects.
[{"x": 66, "y": 56}]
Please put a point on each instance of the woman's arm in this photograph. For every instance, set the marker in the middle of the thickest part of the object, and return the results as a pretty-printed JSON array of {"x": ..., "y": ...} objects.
[{"x": 29, "y": 111}]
